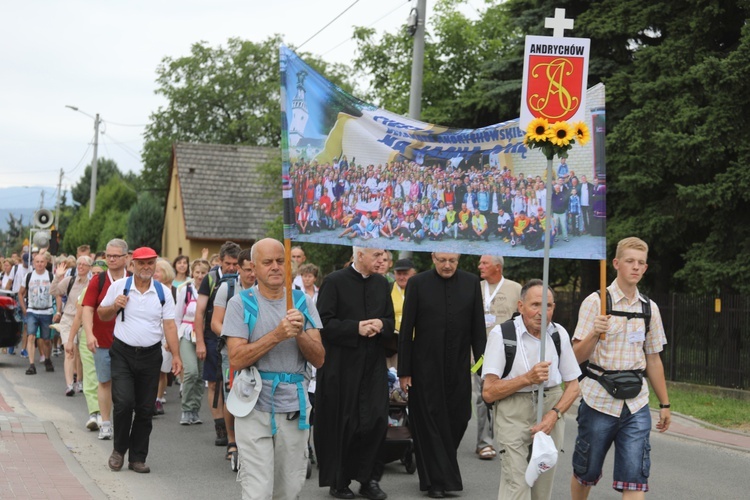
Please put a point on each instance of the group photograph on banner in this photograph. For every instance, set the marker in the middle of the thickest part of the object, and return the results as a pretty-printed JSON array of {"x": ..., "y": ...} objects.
[{"x": 356, "y": 174}]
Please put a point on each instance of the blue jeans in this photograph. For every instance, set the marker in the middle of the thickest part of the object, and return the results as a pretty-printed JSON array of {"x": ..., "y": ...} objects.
[
  {"x": 41, "y": 321},
  {"x": 630, "y": 434}
]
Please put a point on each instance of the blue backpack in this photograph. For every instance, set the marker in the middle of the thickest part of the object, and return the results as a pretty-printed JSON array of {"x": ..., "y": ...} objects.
[
  {"x": 251, "y": 307},
  {"x": 129, "y": 283}
]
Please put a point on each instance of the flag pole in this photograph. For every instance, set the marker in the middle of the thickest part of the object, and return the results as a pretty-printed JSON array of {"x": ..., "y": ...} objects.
[
  {"x": 286, "y": 185},
  {"x": 545, "y": 283},
  {"x": 603, "y": 291}
]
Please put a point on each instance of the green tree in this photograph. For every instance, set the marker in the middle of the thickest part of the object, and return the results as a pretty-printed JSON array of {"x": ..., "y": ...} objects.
[
  {"x": 105, "y": 170},
  {"x": 145, "y": 221},
  {"x": 221, "y": 95},
  {"x": 112, "y": 199}
]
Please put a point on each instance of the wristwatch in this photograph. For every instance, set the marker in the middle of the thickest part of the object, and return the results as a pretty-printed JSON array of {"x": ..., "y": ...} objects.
[{"x": 559, "y": 413}]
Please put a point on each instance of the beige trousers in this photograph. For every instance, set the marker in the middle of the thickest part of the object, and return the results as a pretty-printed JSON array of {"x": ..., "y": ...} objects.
[
  {"x": 514, "y": 416},
  {"x": 271, "y": 467}
]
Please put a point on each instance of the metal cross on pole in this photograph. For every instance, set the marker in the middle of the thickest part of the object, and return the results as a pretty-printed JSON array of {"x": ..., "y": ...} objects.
[{"x": 558, "y": 24}]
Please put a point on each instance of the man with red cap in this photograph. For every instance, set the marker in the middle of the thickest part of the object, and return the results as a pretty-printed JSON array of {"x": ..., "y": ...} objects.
[{"x": 143, "y": 310}]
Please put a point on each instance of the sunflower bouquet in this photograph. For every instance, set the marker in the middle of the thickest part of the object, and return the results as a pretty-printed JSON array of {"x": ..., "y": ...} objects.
[{"x": 557, "y": 138}]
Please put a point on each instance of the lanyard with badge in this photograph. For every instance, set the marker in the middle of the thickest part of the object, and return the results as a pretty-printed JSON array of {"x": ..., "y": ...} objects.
[{"x": 489, "y": 319}]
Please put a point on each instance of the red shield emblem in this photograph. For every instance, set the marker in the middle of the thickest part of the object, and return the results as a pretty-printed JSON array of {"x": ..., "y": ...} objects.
[{"x": 555, "y": 86}]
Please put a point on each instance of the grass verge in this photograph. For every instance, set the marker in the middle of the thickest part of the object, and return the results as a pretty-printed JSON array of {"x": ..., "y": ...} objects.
[{"x": 717, "y": 410}]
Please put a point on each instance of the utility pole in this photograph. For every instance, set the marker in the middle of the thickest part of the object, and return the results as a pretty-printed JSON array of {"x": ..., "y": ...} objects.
[
  {"x": 417, "y": 63},
  {"x": 92, "y": 198},
  {"x": 59, "y": 195}
]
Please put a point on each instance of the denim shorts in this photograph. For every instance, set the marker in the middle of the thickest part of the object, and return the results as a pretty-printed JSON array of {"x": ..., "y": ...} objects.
[
  {"x": 630, "y": 434},
  {"x": 103, "y": 365},
  {"x": 40, "y": 321}
]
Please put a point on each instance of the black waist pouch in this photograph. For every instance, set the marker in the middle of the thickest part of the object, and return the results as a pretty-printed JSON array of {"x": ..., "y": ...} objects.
[{"x": 620, "y": 384}]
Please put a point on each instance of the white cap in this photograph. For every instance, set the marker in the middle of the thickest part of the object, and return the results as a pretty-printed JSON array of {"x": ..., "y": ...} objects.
[
  {"x": 543, "y": 457},
  {"x": 245, "y": 391}
]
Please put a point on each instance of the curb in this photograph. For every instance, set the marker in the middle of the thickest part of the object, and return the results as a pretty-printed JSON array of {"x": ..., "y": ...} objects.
[{"x": 75, "y": 468}]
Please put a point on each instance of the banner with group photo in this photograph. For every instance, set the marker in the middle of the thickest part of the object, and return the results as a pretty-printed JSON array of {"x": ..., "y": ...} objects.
[{"x": 356, "y": 174}]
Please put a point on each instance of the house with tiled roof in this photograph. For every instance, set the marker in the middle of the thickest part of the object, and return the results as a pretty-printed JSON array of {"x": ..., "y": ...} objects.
[{"x": 216, "y": 193}]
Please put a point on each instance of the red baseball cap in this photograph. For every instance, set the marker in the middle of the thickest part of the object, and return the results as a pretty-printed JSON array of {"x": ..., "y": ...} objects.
[{"x": 144, "y": 253}]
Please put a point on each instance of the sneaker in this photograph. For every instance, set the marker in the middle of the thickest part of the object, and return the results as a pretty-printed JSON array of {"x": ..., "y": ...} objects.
[
  {"x": 24, "y": 353},
  {"x": 105, "y": 431},
  {"x": 48, "y": 365},
  {"x": 159, "y": 408},
  {"x": 70, "y": 390},
  {"x": 11, "y": 350},
  {"x": 186, "y": 418},
  {"x": 195, "y": 418},
  {"x": 79, "y": 387},
  {"x": 92, "y": 423},
  {"x": 31, "y": 370}
]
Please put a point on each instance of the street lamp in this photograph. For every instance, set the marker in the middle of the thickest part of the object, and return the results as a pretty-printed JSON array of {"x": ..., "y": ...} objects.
[{"x": 97, "y": 121}]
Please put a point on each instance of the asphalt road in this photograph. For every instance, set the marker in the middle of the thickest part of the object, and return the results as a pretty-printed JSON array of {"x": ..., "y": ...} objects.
[{"x": 186, "y": 464}]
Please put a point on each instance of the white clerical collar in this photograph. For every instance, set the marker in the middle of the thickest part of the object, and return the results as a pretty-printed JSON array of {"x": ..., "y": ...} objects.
[{"x": 365, "y": 276}]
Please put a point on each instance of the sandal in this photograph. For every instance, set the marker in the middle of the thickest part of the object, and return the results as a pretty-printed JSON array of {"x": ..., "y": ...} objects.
[
  {"x": 233, "y": 457},
  {"x": 487, "y": 453}
]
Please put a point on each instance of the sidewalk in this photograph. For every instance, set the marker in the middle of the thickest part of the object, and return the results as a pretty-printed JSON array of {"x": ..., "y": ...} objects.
[
  {"x": 697, "y": 430},
  {"x": 34, "y": 462}
]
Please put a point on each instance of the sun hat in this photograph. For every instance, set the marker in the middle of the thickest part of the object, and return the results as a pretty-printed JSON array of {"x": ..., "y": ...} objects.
[
  {"x": 144, "y": 253},
  {"x": 543, "y": 457},
  {"x": 245, "y": 391}
]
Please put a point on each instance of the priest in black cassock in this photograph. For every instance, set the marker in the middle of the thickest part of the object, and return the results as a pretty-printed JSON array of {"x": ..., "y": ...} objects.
[
  {"x": 351, "y": 396},
  {"x": 443, "y": 309}
]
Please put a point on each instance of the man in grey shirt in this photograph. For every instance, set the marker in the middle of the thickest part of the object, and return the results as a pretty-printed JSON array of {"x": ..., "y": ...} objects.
[{"x": 272, "y": 437}]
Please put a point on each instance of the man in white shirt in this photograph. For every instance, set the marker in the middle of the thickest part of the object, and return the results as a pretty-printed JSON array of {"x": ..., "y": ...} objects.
[
  {"x": 143, "y": 315},
  {"x": 500, "y": 298},
  {"x": 516, "y": 391},
  {"x": 37, "y": 305}
]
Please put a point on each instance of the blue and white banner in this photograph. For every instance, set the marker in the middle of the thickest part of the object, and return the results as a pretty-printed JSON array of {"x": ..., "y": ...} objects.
[{"x": 358, "y": 174}]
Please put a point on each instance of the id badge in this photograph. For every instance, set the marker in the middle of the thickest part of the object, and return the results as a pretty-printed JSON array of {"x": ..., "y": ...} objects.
[
  {"x": 636, "y": 336},
  {"x": 489, "y": 319}
]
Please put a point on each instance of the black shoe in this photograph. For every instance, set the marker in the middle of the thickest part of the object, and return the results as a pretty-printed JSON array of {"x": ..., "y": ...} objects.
[
  {"x": 371, "y": 490},
  {"x": 341, "y": 492},
  {"x": 436, "y": 492},
  {"x": 31, "y": 370},
  {"x": 48, "y": 365}
]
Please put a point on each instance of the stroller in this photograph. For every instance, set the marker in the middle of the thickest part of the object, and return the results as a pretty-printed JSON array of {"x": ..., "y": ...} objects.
[
  {"x": 398, "y": 443},
  {"x": 10, "y": 321}
]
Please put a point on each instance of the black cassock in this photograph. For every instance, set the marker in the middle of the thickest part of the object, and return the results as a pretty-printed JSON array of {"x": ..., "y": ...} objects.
[
  {"x": 447, "y": 319},
  {"x": 351, "y": 396}
]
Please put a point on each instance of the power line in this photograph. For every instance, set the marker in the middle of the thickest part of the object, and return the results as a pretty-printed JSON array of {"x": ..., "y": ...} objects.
[
  {"x": 369, "y": 26},
  {"x": 330, "y": 23}
]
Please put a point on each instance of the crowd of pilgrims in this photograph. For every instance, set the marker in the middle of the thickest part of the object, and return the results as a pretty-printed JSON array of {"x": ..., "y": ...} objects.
[{"x": 412, "y": 202}]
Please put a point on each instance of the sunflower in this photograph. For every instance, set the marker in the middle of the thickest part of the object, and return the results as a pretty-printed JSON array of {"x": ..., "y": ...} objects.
[
  {"x": 537, "y": 130},
  {"x": 582, "y": 133},
  {"x": 560, "y": 134}
]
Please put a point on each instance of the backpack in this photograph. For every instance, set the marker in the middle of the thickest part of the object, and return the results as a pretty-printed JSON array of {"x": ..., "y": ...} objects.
[
  {"x": 100, "y": 285},
  {"x": 129, "y": 284},
  {"x": 28, "y": 280},
  {"x": 511, "y": 344},
  {"x": 645, "y": 314},
  {"x": 214, "y": 283},
  {"x": 250, "y": 303}
]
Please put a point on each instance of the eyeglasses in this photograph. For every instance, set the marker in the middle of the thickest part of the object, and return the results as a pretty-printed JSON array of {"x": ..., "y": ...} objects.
[
  {"x": 444, "y": 260},
  {"x": 112, "y": 256}
]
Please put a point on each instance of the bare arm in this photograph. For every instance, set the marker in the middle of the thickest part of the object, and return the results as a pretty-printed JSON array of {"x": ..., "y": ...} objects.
[
  {"x": 88, "y": 326},
  {"x": 549, "y": 420},
  {"x": 584, "y": 348},
  {"x": 198, "y": 323},
  {"x": 496, "y": 388},
  {"x": 217, "y": 319},
  {"x": 243, "y": 353},
  {"x": 655, "y": 373},
  {"x": 170, "y": 332},
  {"x": 22, "y": 299},
  {"x": 74, "y": 327},
  {"x": 310, "y": 344}
]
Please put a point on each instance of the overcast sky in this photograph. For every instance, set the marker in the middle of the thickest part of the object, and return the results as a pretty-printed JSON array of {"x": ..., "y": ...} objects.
[{"x": 101, "y": 57}]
